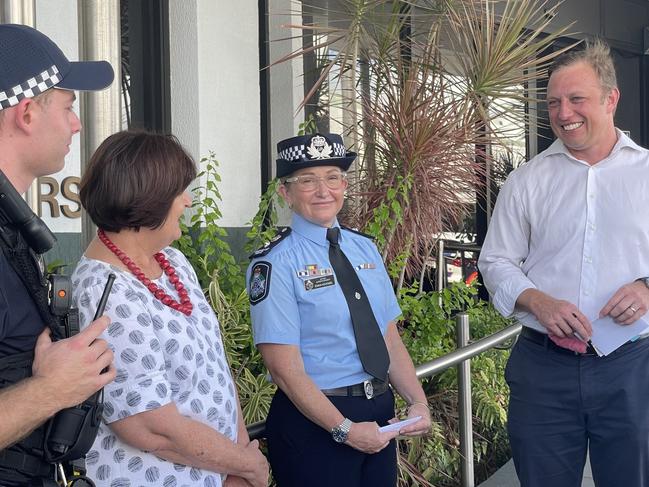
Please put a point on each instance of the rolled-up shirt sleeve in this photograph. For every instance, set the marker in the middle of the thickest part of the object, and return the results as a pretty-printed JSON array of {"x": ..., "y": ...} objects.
[{"x": 505, "y": 249}]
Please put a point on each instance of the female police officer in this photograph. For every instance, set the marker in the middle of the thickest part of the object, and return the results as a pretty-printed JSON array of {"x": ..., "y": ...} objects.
[{"x": 323, "y": 314}]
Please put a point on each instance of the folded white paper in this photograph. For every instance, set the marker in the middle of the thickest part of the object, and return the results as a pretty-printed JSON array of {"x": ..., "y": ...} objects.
[
  {"x": 398, "y": 425},
  {"x": 609, "y": 336}
]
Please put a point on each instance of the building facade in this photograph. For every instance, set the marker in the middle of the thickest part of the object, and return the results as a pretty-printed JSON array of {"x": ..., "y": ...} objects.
[{"x": 199, "y": 69}]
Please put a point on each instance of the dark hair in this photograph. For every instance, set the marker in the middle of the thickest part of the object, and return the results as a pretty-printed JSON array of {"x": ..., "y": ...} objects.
[
  {"x": 597, "y": 54},
  {"x": 133, "y": 178}
]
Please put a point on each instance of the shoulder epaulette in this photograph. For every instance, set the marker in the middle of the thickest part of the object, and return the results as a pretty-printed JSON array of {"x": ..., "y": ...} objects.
[
  {"x": 268, "y": 246},
  {"x": 357, "y": 232}
]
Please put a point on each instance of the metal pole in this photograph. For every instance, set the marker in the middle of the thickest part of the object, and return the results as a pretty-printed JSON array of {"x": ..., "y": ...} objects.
[
  {"x": 101, "y": 114},
  {"x": 440, "y": 364},
  {"x": 441, "y": 267},
  {"x": 22, "y": 12},
  {"x": 464, "y": 403}
]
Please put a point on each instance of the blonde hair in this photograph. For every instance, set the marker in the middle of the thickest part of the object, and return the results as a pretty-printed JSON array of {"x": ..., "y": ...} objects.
[{"x": 597, "y": 54}]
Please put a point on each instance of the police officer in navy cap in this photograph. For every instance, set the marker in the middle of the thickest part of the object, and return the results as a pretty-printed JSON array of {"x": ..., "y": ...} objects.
[
  {"x": 38, "y": 376},
  {"x": 324, "y": 319}
]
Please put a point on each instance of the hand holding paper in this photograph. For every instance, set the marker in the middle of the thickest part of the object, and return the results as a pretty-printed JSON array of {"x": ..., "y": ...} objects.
[
  {"x": 399, "y": 424},
  {"x": 609, "y": 335}
]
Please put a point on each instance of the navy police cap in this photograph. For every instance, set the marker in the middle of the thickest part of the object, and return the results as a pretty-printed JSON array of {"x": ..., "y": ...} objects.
[
  {"x": 310, "y": 151},
  {"x": 30, "y": 63}
]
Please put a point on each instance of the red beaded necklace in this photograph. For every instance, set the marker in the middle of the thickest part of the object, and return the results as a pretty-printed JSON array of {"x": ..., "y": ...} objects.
[{"x": 184, "y": 306}]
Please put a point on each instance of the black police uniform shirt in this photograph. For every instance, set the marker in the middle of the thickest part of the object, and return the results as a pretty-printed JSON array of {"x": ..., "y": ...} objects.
[{"x": 20, "y": 322}]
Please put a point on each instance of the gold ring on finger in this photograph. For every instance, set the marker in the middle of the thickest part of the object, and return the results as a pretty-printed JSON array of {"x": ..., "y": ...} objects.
[{"x": 633, "y": 310}]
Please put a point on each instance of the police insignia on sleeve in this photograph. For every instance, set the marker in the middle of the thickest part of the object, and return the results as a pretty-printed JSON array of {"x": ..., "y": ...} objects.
[{"x": 259, "y": 282}]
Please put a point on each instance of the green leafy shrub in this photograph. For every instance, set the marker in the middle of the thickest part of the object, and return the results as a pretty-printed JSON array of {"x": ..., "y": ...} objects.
[
  {"x": 223, "y": 279},
  {"x": 428, "y": 331}
]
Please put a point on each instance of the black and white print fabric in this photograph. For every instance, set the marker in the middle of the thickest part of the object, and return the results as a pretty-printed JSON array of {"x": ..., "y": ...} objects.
[{"x": 161, "y": 356}]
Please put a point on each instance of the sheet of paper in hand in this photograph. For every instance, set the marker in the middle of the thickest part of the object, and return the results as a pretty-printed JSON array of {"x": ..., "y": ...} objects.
[
  {"x": 608, "y": 336},
  {"x": 399, "y": 424}
]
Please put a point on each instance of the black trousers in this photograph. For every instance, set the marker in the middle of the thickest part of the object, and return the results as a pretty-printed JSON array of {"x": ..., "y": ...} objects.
[
  {"x": 563, "y": 405},
  {"x": 302, "y": 453}
]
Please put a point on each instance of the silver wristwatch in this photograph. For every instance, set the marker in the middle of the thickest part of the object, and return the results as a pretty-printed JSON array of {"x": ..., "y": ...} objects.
[{"x": 340, "y": 432}]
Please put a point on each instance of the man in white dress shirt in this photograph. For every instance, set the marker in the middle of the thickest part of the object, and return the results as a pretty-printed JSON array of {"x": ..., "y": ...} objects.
[{"x": 568, "y": 244}]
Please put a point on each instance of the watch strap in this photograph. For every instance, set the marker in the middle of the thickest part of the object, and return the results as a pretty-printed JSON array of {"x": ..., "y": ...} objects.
[{"x": 644, "y": 280}]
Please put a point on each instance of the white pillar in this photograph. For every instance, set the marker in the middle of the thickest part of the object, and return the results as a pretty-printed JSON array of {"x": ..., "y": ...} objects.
[{"x": 100, "y": 111}]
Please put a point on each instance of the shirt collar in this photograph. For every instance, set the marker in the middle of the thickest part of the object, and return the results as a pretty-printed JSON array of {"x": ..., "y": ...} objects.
[
  {"x": 313, "y": 232},
  {"x": 623, "y": 141}
]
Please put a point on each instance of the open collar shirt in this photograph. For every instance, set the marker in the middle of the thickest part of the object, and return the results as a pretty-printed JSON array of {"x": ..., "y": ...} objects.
[{"x": 571, "y": 230}]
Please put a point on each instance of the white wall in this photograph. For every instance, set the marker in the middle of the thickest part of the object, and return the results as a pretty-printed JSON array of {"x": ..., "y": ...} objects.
[
  {"x": 215, "y": 95},
  {"x": 230, "y": 106},
  {"x": 215, "y": 104},
  {"x": 183, "y": 59},
  {"x": 286, "y": 78},
  {"x": 58, "y": 20}
]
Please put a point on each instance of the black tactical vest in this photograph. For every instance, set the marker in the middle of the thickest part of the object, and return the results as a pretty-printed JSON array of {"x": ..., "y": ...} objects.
[{"x": 24, "y": 460}]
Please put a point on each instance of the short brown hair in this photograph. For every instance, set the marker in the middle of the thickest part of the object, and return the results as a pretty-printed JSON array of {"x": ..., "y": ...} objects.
[
  {"x": 42, "y": 98},
  {"x": 133, "y": 178},
  {"x": 597, "y": 54}
]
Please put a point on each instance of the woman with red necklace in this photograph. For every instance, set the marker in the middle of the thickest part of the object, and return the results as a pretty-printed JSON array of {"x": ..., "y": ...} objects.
[{"x": 172, "y": 416}]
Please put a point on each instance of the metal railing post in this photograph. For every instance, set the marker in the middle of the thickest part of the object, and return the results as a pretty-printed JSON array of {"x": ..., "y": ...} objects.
[
  {"x": 464, "y": 403},
  {"x": 441, "y": 266}
]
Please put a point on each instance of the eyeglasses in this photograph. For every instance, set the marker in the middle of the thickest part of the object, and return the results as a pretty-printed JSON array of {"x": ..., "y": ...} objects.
[{"x": 310, "y": 183}]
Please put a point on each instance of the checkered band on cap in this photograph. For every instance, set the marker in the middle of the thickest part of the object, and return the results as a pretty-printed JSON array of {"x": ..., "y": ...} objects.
[
  {"x": 298, "y": 152},
  {"x": 30, "y": 88}
]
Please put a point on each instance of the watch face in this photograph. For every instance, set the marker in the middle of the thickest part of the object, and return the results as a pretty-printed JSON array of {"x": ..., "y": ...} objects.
[{"x": 339, "y": 435}]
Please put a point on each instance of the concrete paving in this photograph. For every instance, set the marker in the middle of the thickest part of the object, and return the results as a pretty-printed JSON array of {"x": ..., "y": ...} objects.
[{"x": 506, "y": 477}]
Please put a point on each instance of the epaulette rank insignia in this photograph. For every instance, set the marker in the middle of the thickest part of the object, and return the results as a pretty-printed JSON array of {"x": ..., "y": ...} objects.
[
  {"x": 268, "y": 246},
  {"x": 357, "y": 232}
]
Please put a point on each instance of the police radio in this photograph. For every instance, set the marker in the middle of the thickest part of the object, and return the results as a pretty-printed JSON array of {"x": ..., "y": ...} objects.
[
  {"x": 71, "y": 432},
  {"x": 32, "y": 228}
]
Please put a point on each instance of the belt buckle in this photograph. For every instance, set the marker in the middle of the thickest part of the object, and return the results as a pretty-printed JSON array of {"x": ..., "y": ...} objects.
[{"x": 368, "y": 388}]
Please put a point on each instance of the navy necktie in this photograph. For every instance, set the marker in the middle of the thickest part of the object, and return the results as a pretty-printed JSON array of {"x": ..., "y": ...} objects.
[{"x": 369, "y": 340}]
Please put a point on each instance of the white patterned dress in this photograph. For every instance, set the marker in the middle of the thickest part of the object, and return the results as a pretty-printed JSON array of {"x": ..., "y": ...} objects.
[{"x": 161, "y": 355}]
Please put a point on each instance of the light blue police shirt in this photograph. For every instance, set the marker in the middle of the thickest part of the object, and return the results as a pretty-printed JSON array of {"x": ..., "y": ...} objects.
[{"x": 302, "y": 304}]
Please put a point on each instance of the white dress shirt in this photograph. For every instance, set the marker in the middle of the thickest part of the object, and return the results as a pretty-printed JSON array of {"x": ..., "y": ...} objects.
[{"x": 574, "y": 231}]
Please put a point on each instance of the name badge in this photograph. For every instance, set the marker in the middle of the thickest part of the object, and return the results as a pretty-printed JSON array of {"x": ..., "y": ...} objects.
[{"x": 318, "y": 282}]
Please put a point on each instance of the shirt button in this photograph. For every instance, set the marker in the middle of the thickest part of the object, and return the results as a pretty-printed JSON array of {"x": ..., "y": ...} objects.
[
  {"x": 586, "y": 293},
  {"x": 591, "y": 195}
]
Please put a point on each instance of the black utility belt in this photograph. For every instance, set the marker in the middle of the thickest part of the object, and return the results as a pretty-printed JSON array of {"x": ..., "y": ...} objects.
[{"x": 368, "y": 388}]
